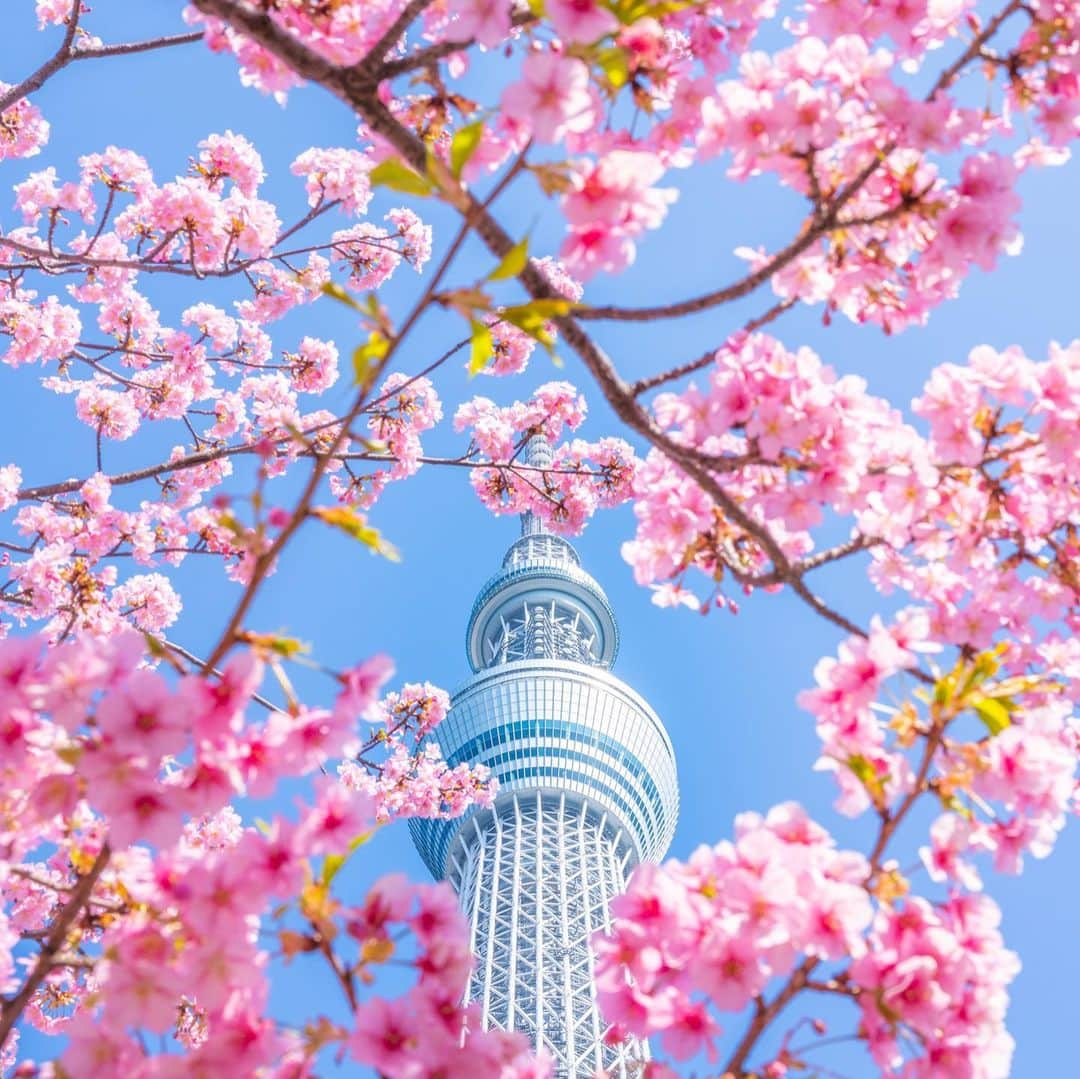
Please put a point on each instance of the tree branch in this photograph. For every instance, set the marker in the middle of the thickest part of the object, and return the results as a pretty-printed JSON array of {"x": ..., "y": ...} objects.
[
  {"x": 643, "y": 385},
  {"x": 67, "y": 54},
  {"x": 53, "y": 944}
]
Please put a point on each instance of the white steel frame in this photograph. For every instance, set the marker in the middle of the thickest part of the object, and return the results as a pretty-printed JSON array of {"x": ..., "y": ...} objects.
[{"x": 535, "y": 878}]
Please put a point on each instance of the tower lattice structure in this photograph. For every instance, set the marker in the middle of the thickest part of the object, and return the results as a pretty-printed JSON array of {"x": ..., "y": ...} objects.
[{"x": 587, "y": 788}]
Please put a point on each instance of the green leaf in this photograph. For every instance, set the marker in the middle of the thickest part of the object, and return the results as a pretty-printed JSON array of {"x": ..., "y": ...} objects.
[
  {"x": 332, "y": 863},
  {"x": 868, "y": 776},
  {"x": 994, "y": 714},
  {"x": 513, "y": 262},
  {"x": 629, "y": 11},
  {"x": 367, "y": 356},
  {"x": 396, "y": 175},
  {"x": 553, "y": 308},
  {"x": 355, "y": 525},
  {"x": 463, "y": 145},
  {"x": 532, "y": 318},
  {"x": 483, "y": 347},
  {"x": 336, "y": 292},
  {"x": 614, "y": 64}
]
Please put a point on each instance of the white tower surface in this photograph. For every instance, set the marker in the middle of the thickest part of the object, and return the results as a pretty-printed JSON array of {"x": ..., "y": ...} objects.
[{"x": 587, "y": 788}]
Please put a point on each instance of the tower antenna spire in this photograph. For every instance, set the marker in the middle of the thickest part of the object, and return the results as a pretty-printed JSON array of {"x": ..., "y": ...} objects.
[{"x": 537, "y": 454}]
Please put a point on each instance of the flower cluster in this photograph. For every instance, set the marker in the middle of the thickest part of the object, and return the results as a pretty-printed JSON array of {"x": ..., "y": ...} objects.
[
  {"x": 719, "y": 927},
  {"x": 413, "y": 780},
  {"x": 428, "y": 1031},
  {"x": 782, "y": 900},
  {"x": 1008, "y": 791},
  {"x": 581, "y": 477},
  {"x": 217, "y": 373},
  {"x": 122, "y": 780},
  {"x": 939, "y": 973}
]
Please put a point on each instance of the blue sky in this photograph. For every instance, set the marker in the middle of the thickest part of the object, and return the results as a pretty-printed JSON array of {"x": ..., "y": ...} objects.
[{"x": 724, "y": 685}]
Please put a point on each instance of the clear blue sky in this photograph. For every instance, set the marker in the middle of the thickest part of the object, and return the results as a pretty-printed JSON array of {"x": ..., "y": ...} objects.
[{"x": 724, "y": 685}]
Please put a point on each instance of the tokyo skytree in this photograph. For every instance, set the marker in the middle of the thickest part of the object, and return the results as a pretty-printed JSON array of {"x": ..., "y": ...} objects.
[{"x": 587, "y": 788}]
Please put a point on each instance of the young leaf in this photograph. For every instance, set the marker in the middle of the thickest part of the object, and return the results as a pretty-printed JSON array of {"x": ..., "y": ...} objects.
[
  {"x": 532, "y": 318},
  {"x": 513, "y": 262},
  {"x": 994, "y": 714},
  {"x": 367, "y": 355},
  {"x": 483, "y": 347},
  {"x": 332, "y": 863},
  {"x": 553, "y": 308},
  {"x": 396, "y": 175},
  {"x": 868, "y": 776},
  {"x": 336, "y": 292},
  {"x": 355, "y": 525},
  {"x": 615, "y": 65},
  {"x": 293, "y": 943},
  {"x": 463, "y": 145}
]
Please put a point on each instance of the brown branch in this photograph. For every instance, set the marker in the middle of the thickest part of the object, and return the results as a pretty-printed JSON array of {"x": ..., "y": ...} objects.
[
  {"x": 130, "y": 48},
  {"x": 823, "y": 220},
  {"x": 53, "y": 943},
  {"x": 765, "y": 1013},
  {"x": 892, "y": 821},
  {"x": 442, "y": 49},
  {"x": 68, "y": 54},
  {"x": 59, "y": 59},
  {"x": 373, "y": 62},
  {"x": 645, "y": 384}
]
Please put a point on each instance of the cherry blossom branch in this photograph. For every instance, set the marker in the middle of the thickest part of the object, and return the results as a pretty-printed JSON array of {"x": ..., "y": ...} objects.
[
  {"x": 66, "y": 54},
  {"x": 823, "y": 220},
  {"x": 393, "y": 33},
  {"x": 194, "y": 460},
  {"x": 301, "y": 510},
  {"x": 172, "y": 646},
  {"x": 441, "y": 50},
  {"x": 799, "y": 979},
  {"x": 764, "y": 1014},
  {"x": 892, "y": 821},
  {"x": 54, "y": 262},
  {"x": 130, "y": 48},
  {"x": 59, "y": 59},
  {"x": 645, "y": 384},
  {"x": 53, "y": 943}
]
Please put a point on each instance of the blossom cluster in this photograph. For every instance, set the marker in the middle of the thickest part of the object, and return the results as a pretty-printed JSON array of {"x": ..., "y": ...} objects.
[
  {"x": 1007, "y": 792},
  {"x": 581, "y": 477},
  {"x": 114, "y": 774},
  {"x": 429, "y": 1031},
  {"x": 973, "y": 522},
  {"x": 782, "y": 899},
  {"x": 413, "y": 780},
  {"x": 838, "y": 116},
  {"x": 218, "y": 374},
  {"x": 793, "y": 440}
]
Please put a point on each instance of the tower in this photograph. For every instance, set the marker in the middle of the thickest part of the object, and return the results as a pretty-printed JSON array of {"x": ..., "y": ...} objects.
[{"x": 587, "y": 788}]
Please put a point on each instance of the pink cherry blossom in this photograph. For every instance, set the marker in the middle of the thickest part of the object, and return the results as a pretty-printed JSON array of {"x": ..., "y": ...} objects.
[{"x": 552, "y": 97}]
